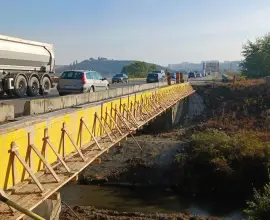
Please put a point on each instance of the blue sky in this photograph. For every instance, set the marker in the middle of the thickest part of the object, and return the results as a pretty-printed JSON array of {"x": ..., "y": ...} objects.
[{"x": 156, "y": 31}]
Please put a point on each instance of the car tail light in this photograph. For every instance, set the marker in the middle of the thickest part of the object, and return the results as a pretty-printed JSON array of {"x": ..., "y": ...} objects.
[{"x": 83, "y": 79}]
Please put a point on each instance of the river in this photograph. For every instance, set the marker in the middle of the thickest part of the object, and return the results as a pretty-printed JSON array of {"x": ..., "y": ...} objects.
[{"x": 147, "y": 200}]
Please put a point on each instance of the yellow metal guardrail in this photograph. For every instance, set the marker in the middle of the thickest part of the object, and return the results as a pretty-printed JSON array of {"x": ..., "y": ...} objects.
[{"x": 39, "y": 157}]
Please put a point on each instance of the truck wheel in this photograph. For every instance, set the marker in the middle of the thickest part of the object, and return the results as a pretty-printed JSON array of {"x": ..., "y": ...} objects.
[
  {"x": 46, "y": 86},
  {"x": 33, "y": 87},
  {"x": 20, "y": 86}
]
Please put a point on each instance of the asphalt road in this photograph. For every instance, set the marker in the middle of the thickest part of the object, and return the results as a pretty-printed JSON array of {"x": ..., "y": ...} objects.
[{"x": 19, "y": 102}]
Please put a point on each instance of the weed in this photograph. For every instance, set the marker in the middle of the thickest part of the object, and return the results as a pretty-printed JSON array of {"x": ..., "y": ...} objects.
[{"x": 259, "y": 207}]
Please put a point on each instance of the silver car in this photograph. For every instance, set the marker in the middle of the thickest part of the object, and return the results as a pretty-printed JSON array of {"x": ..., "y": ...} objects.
[{"x": 80, "y": 81}]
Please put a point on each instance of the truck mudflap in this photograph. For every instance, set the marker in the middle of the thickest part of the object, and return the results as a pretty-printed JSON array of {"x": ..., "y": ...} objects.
[
  {"x": 2, "y": 92},
  {"x": 55, "y": 79}
]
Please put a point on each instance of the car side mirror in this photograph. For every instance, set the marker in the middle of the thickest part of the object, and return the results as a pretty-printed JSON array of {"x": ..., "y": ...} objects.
[{"x": 104, "y": 79}]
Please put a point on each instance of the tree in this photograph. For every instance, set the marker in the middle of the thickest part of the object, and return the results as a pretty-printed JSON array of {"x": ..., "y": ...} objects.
[
  {"x": 138, "y": 69},
  {"x": 256, "y": 54}
]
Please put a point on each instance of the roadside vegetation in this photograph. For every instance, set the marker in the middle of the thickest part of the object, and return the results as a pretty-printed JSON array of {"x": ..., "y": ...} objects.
[{"x": 230, "y": 149}]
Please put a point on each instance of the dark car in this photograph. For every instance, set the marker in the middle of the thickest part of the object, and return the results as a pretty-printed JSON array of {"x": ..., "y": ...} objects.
[
  {"x": 191, "y": 75},
  {"x": 154, "y": 77},
  {"x": 173, "y": 76},
  {"x": 198, "y": 74},
  {"x": 121, "y": 77}
]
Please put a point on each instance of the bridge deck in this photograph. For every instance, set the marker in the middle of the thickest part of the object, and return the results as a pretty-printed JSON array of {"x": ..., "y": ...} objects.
[{"x": 77, "y": 139}]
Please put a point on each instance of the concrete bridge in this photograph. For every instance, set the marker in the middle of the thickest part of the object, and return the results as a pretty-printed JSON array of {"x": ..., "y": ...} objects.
[{"x": 43, "y": 151}]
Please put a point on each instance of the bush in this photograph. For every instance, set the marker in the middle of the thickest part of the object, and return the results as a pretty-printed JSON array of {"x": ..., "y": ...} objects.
[
  {"x": 227, "y": 164},
  {"x": 216, "y": 145},
  {"x": 259, "y": 208}
]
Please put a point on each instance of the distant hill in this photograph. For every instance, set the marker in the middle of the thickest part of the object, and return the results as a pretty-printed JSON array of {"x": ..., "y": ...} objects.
[{"x": 102, "y": 65}]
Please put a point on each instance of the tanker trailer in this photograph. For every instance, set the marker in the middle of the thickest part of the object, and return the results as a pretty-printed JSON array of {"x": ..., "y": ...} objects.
[{"x": 26, "y": 67}]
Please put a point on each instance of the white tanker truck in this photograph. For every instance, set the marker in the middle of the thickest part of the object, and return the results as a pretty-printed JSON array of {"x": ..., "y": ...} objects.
[{"x": 26, "y": 67}]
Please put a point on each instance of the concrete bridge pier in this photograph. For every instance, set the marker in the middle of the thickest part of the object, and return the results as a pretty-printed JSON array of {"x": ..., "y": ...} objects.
[
  {"x": 49, "y": 209},
  {"x": 169, "y": 118},
  {"x": 180, "y": 113}
]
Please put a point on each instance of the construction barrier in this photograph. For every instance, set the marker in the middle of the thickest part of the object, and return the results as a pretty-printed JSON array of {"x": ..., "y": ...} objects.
[
  {"x": 181, "y": 77},
  {"x": 177, "y": 78},
  {"x": 169, "y": 78},
  {"x": 41, "y": 154}
]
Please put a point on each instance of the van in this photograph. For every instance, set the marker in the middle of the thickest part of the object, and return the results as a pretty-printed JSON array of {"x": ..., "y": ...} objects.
[
  {"x": 153, "y": 77},
  {"x": 161, "y": 72}
]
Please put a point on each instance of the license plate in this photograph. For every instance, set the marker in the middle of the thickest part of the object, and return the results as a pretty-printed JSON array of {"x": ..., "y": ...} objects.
[{"x": 69, "y": 87}]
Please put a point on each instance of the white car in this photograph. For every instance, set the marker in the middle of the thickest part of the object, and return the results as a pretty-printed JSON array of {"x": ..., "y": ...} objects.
[{"x": 80, "y": 81}]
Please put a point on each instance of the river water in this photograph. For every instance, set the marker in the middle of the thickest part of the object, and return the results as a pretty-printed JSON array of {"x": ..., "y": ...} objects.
[{"x": 147, "y": 200}]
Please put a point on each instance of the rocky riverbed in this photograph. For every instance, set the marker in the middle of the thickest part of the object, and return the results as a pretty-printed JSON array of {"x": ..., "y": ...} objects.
[{"x": 91, "y": 213}]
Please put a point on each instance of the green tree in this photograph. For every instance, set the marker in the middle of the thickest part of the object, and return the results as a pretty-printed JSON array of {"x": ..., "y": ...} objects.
[
  {"x": 138, "y": 69},
  {"x": 256, "y": 54}
]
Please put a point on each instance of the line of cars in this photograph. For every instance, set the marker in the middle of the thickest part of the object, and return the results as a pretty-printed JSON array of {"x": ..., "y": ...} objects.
[
  {"x": 83, "y": 81},
  {"x": 197, "y": 74},
  {"x": 158, "y": 76}
]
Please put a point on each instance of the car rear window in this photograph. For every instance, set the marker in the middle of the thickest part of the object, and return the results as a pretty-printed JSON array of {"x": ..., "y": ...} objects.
[
  {"x": 71, "y": 75},
  {"x": 119, "y": 75},
  {"x": 152, "y": 75}
]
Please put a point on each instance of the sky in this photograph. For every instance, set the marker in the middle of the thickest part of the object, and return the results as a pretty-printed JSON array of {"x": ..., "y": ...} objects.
[{"x": 157, "y": 31}]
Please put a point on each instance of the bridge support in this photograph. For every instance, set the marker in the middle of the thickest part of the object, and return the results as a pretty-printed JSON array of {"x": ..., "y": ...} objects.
[
  {"x": 49, "y": 209},
  {"x": 169, "y": 118}
]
